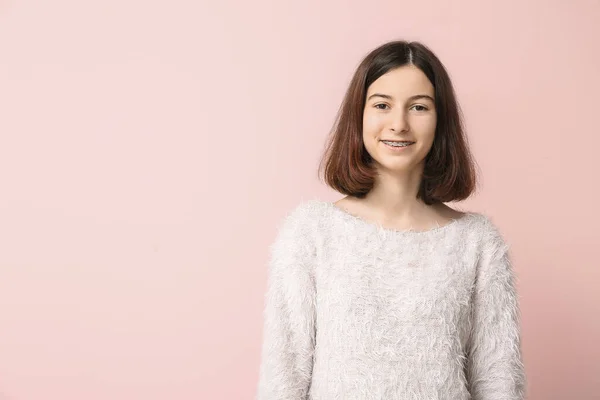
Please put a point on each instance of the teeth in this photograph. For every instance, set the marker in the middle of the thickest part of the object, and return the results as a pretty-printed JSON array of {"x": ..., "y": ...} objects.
[{"x": 397, "y": 144}]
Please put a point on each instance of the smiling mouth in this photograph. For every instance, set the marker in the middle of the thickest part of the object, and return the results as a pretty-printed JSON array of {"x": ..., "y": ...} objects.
[{"x": 397, "y": 143}]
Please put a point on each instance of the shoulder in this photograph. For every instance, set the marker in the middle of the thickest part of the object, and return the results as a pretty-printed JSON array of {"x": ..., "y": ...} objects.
[
  {"x": 491, "y": 240},
  {"x": 303, "y": 214},
  {"x": 296, "y": 232},
  {"x": 300, "y": 221}
]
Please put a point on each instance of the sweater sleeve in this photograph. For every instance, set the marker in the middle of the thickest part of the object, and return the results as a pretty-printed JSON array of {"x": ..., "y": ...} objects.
[
  {"x": 495, "y": 370},
  {"x": 289, "y": 313}
]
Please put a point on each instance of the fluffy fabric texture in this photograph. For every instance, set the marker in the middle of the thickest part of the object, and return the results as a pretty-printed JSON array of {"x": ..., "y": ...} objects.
[{"x": 356, "y": 311}]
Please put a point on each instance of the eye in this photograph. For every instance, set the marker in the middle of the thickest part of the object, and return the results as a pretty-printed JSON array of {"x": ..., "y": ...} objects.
[
  {"x": 380, "y": 104},
  {"x": 422, "y": 107}
]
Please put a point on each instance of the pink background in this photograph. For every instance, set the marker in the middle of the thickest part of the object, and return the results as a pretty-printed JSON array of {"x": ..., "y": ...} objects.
[{"x": 149, "y": 149}]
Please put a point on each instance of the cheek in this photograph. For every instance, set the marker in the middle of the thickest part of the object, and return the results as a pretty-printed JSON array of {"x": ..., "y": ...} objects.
[
  {"x": 370, "y": 124},
  {"x": 426, "y": 126}
]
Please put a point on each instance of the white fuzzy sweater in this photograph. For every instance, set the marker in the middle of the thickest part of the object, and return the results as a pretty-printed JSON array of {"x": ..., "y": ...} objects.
[{"x": 356, "y": 311}]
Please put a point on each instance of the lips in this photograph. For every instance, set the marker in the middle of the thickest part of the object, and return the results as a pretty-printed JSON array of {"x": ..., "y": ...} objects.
[{"x": 397, "y": 147}]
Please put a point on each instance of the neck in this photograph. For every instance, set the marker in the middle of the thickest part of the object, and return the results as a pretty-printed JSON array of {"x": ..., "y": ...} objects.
[{"x": 394, "y": 195}]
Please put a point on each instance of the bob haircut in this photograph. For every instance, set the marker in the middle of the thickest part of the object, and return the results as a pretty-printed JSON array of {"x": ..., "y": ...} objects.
[{"x": 449, "y": 173}]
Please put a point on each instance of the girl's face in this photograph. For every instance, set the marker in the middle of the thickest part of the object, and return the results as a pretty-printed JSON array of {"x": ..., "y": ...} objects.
[{"x": 399, "y": 106}]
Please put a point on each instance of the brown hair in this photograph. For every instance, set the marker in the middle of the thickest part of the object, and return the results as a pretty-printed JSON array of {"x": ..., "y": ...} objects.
[{"x": 450, "y": 170}]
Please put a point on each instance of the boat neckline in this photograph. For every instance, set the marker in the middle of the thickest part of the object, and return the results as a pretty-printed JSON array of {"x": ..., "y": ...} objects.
[{"x": 378, "y": 226}]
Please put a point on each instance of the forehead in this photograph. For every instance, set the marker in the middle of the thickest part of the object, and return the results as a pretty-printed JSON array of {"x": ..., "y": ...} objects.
[{"x": 401, "y": 82}]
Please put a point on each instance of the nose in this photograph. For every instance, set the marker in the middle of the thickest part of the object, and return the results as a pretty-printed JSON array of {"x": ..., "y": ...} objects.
[{"x": 398, "y": 121}]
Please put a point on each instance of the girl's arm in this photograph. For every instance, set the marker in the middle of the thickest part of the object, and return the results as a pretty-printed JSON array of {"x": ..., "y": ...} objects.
[
  {"x": 495, "y": 369},
  {"x": 289, "y": 313}
]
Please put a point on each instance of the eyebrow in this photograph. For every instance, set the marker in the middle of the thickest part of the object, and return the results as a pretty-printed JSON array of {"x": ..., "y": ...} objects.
[{"x": 411, "y": 98}]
